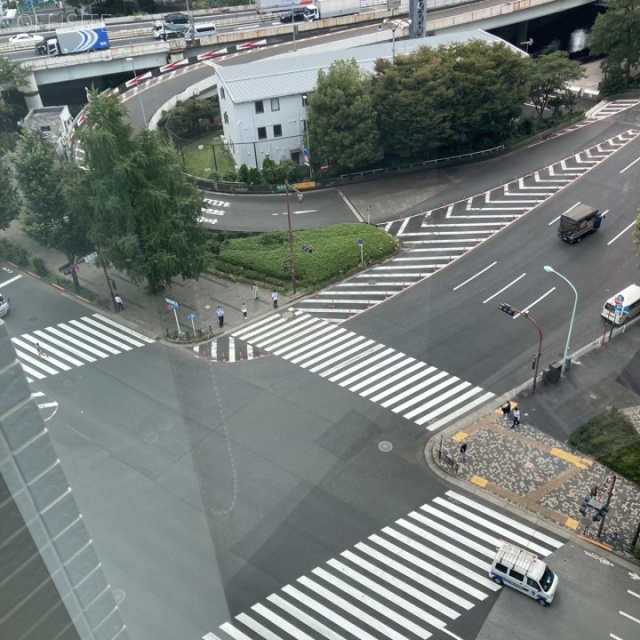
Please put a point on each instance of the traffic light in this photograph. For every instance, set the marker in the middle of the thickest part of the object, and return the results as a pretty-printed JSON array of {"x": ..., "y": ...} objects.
[
  {"x": 584, "y": 507},
  {"x": 507, "y": 309},
  {"x": 307, "y": 248},
  {"x": 601, "y": 514}
]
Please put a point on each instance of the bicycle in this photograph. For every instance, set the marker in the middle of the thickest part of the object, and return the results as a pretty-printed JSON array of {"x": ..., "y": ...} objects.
[{"x": 618, "y": 543}]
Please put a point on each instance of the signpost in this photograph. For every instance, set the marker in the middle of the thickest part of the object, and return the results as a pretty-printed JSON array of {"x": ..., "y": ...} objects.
[
  {"x": 361, "y": 244},
  {"x": 173, "y": 304},
  {"x": 192, "y": 317}
]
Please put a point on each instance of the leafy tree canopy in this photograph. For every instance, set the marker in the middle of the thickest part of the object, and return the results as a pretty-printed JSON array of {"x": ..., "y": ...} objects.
[
  {"x": 143, "y": 212},
  {"x": 548, "y": 78},
  {"x": 44, "y": 215},
  {"x": 9, "y": 199},
  {"x": 616, "y": 34},
  {"x": 342, "y": 119}
]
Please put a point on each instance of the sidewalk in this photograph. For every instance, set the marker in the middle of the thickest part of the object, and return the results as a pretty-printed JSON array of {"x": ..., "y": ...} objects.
[
  {"x": 149, "y": 313},
  {"x": 538, "y": 472}
]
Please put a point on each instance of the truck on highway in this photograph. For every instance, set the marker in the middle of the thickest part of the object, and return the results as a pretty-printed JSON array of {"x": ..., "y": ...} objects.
[
  {"x": 322, "y": 9},
  {"x": 277, "y": 6},
  {"x": 93, "y": 38},
  {"x": 168, "y": 30},
  {"x": 578, "y": 222}
]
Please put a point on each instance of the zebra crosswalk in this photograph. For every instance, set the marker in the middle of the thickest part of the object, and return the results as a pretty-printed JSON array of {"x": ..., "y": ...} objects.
[
  {"x": 435, "y": 238},
  {"x": 72, "y": 344},
  {"x": 393, "y": 380},
  {"x": 407, "y": 581}
]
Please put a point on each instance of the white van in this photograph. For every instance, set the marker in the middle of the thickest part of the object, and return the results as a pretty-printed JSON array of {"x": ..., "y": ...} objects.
[
  {"x": 623, "y": 306},
  {"x": 4, "y": 306},
  {"x": 523, "y": 571},
  {"x": 201, "y": 30}
]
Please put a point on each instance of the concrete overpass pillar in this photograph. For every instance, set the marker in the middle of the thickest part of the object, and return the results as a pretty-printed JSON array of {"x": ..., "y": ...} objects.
[{"x": 31, "y": 92}]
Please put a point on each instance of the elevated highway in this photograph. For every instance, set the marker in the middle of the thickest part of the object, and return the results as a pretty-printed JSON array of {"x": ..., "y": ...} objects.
[{"x": 488, "y": 14}]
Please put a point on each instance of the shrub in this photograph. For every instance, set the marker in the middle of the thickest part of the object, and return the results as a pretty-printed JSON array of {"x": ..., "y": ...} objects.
[{"x": 39, "y": 266}]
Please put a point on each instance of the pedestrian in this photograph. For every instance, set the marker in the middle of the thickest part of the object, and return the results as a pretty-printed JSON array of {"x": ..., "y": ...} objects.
[
  {"x": 274, "y": 297},
  {"x": 516, "y": 418},
  {"x": 255, "y": 291},
  {"x": 41, "y": 352},
  {"x": 119, "y": 302},
  {"x": 506, "y": 409},
  {"x": 463, "y": 451},
  {"x": 220, "y": 314},
  {"x": 244, "y": 311}
]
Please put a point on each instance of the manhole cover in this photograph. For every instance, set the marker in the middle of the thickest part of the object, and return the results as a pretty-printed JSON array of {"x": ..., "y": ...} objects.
[
  {"x": 150, "y": 438},
  {"x": 119, "y": 595},
  {"x": 385, "y": 446},
  {"x": 287, "y": 314}
]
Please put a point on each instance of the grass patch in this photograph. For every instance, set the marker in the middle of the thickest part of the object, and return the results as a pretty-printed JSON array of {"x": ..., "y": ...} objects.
[
  {"x": 613, "y": 441},
  {"x": 336, "y": 254},
  {"x": 201, "y": 162}
]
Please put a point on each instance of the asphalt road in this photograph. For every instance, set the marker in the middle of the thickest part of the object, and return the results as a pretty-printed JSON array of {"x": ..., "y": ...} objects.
[
  {"x": 452, "y": 320},
  {"x": 207, "y": 488}
]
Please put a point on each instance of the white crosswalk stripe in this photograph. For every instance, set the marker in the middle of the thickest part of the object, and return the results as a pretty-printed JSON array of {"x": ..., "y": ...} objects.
[
  {"x": 435, "y": 238},
  {"x": 387, "y": 377},
  {"x": 74, "y": 343},
  {"x": 404, "y": 582}
]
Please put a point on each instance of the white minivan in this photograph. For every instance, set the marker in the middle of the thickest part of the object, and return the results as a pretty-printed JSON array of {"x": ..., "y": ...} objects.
[
  {"x": 201, "y": 30},
  {"x": 525, "y": 572}
]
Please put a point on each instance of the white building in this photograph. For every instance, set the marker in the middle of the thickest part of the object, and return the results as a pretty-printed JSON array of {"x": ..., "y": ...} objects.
[
  {"x": 53, "y": 123},
  {"x": 263, "y": 103}
]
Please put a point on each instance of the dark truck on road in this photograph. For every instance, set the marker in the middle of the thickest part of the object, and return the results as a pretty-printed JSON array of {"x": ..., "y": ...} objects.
[{"x": 579, "y": 222}]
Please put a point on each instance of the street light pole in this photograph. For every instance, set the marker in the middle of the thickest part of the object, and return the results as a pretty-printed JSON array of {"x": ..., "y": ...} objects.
[
  {"x": 549, "y": 269},
  {"x": 511, "y": 311},
  {"x": 292, "y": 255},
  {"x": 137, "y": 89},
  {"x": 391, "y": 24}
]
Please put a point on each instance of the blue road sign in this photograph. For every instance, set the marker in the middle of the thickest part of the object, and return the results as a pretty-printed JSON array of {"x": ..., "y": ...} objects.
[
  {"x": 192, "y": 316},
  {"x": 172, "y": 303}
]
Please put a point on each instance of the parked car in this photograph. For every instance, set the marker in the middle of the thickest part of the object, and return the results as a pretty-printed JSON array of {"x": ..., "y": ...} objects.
[
  {"x": 177, "y": 18},
  {"x": 30, "y": 38},
  {"x": 4, "y": 306}
]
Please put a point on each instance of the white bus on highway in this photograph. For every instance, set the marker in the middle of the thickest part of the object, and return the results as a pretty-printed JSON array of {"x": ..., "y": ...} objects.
[{"x": 623, "y": 306}]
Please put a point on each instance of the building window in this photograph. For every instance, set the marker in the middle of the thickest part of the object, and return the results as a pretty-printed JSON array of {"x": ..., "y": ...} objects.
[
  {"x": 275, "y": 104},
  {"x": 262, "y": 133},
  {"x": 259, "y": 106},
  {"x": 277, "y": 130},
  {"x": 226, "y": 118},
  {"x": 222, "y": 93}
]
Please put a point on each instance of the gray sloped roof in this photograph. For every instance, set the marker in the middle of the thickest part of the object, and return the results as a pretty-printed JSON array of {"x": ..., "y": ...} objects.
[{"x": 296, "y": 73}]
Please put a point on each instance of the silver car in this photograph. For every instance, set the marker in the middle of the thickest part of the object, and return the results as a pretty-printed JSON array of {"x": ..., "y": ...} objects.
[{"x": 4, "y": 306}]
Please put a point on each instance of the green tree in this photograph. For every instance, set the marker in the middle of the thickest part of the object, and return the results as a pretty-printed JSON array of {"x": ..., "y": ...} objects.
[
  {"x": 490, "y": 83},
  {"x": 342, "y": 120},
  {"x": 412, "y": 100},
  {"x": 143, "y": 212},
  {"x": 12, "y": 76},
  {"x": 548, "y": 80},
  {"x": 9, "y": 198},
  {"x": 616, "y": 34},
  {"x": 41, "y": 176}
]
